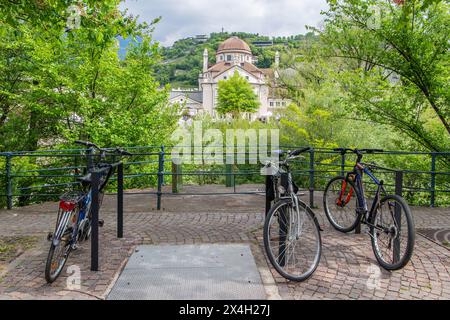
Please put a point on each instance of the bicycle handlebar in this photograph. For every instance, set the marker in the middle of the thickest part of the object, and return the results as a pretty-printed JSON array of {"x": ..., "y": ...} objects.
[
  {"x": 358, "y": 151},
  {"x": 299, "y": 152},
  {"x": 87, "y": 144},
  {"x": 93, "y": 145}
]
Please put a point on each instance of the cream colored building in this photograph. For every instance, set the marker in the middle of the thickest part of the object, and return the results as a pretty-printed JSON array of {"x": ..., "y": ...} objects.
[{"x": 233, "y": 55}]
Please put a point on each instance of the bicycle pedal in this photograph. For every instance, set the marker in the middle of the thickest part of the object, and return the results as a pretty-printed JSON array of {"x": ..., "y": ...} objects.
[{"x": 101, "y": 223}]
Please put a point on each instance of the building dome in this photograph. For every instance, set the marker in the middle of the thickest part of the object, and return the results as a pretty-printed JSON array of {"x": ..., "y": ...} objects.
[{"x": 234, "y": 44}]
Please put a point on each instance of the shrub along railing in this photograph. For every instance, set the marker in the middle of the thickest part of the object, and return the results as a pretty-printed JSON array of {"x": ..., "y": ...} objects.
[{"x": 31, "y": 177}]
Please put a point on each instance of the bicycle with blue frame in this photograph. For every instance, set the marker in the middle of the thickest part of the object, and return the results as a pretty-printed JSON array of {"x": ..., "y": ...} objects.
[
  {"x": 390, "y": 222},
  {"x": 73, "y": 224}
]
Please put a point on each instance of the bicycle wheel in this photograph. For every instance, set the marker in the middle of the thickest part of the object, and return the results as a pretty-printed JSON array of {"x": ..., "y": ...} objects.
[
  {"x": 393, "y": 233},
  {"x": 60, "y": 248},
  {"x": 293, "y": 243},
  {"x": 340, "y": 202}
]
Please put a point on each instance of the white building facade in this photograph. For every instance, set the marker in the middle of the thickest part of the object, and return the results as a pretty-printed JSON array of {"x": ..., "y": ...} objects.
[{"x": 233, "y": 55}]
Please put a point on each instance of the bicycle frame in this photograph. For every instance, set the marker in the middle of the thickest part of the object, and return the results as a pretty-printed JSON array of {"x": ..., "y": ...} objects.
[{"x": 358, "y": 173}]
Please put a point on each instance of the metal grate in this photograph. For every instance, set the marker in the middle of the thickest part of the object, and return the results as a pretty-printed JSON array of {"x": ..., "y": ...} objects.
[{"x": 190, "y": 272}]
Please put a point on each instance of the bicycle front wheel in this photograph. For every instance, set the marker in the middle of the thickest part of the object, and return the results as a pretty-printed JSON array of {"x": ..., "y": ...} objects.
[
  {"x": 292, "y": 240},
  {"x": 59, "y": 249},
  {"x": 393, "y": 233}
]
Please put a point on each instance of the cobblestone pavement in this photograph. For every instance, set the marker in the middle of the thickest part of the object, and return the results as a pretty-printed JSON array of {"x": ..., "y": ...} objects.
[{"x": 348, "y": 269}]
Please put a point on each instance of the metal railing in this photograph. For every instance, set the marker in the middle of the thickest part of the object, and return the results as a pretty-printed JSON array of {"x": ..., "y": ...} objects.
[{"x": 44, "y": 175}]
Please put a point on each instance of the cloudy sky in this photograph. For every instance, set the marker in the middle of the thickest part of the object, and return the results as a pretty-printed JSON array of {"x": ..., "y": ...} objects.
[{"x": 185, "y": 18}]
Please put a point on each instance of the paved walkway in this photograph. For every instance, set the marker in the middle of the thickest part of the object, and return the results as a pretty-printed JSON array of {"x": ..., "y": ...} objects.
[{"x": 348, "y": 269}]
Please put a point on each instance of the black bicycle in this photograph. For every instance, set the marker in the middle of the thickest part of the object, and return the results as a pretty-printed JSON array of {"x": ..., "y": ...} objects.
[
  {"x": 391, "y": 225},
  {"x": 73, "y": 224},
  {"x": 291, "y": 232}
]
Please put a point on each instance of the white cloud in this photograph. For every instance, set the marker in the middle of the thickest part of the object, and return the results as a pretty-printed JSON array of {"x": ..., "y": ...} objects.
[{"x": 184, "y": 18}]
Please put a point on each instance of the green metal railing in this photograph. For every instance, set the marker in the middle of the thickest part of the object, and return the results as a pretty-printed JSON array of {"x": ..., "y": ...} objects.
[{"x": 30, "y": 177}]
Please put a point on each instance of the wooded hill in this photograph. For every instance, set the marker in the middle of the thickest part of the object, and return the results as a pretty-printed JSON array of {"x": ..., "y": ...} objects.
[{"x": 182, "y": 63}]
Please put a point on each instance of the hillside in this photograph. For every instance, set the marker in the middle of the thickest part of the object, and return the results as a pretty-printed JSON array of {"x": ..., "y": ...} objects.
[{"x": 182, "y": 63}]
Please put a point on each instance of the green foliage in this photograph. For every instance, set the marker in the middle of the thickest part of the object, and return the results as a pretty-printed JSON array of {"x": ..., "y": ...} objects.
[
  {"x": 236, "y": 96},
  {"x": 397, "y": 64},
  {"x": 58, "y": 85}
]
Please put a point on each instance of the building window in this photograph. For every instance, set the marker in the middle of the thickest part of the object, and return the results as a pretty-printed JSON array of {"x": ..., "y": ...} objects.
[
  {"x": 278, "y": 104},
  {"x": 247, "y": 77},
  {"x": 225, "y": 78},
  {"x": 229, "y": 57},
  {"x": 271, "y": 103}
]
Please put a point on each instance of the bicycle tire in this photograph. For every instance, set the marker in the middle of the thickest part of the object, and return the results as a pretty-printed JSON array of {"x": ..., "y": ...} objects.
[
  {"x": 406, "y": 257},
  {"x": 51, "y": 277},
  {"x": 305, "y": 275}
]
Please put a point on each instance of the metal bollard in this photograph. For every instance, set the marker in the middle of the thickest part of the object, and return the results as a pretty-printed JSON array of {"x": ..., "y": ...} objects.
[
  {"x": 398, "y": 213},
  {"x": 120, "y": 201},
  {"x": 95, "y": 208},
  {"x": 311, "y": 178}
]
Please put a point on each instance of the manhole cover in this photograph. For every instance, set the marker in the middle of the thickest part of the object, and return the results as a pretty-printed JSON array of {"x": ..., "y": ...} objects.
[
  {"x": 439, "y": 235},
  {"x": 190, "y": 272}
]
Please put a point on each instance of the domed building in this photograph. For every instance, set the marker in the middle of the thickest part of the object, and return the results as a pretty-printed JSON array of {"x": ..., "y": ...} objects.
[{"x": 232, "y": 55}]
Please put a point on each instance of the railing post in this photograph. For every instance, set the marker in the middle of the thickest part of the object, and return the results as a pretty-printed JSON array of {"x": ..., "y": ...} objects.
[
  {"x": 9, "y": 191},
  {"x": 95, "y": 209},
  {"x": 163, "y": 150},
  {"x": 174, "y": 177},
  {"x": 311, "y": 177},
  {"x": 120, "y": 201},
  {"x": 398, "y": 213},
  {"x": 433, "y": 181},
  {"x": 229, "y": 175},
  {"x": 160, "y": 178},
  {"x": 343, "y": 164}
]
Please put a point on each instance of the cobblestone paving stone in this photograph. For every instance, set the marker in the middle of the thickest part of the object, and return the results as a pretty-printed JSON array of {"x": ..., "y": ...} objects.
[{"x": 348, "y": 269}]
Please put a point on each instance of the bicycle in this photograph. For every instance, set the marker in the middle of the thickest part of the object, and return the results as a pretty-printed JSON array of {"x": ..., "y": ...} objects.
[
  {"x": 292, "y": 237},
  {"x": 73, "y": 223},
  {"x": 389, "y": 220}
]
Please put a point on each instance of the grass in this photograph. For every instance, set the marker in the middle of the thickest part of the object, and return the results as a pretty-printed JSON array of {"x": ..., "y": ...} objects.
[{"x": 12, "y": 247}]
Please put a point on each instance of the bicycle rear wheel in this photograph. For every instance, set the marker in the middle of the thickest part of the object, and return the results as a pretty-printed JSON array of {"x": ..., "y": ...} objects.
[
  {"x": 393, "y": 233},
  {"x": 293, "y": 243},
  {"x": 340, "y": 202}
]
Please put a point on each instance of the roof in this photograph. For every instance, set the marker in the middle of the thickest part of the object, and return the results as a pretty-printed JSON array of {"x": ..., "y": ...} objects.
[
  {"x": 196, "y": 96},
  {"x": 234, "y": 44},
  {"x": 224, "y": 66}
]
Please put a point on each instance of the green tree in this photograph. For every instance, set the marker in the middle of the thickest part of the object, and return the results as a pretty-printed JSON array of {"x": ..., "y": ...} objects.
[
  {"x": 398, "y": 64},
  {"x": 58, "y": 85},
  {"x": 236, "y": 96}
]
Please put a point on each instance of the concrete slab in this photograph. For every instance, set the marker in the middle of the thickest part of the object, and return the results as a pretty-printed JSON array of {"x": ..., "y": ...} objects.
[{"x": 198, "y": 272}]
